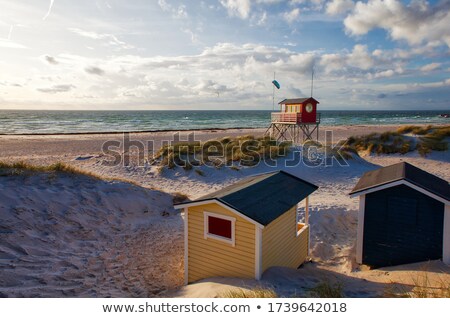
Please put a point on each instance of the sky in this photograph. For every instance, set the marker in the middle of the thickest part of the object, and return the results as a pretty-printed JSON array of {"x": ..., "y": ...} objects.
[{"x": 222, "y": 54}]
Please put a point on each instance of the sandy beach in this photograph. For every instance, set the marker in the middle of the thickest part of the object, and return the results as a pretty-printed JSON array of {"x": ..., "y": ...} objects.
[
  {"x": 45, "y": 149},
  {"x": 151, "y": 233}
]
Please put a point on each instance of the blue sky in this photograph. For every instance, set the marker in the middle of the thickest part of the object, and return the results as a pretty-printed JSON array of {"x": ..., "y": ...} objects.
[{"x": 169, "y": 54}]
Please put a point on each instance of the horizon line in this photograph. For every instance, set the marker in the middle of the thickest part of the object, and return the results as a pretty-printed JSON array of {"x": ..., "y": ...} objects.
[{"x": 269, "y": 110}]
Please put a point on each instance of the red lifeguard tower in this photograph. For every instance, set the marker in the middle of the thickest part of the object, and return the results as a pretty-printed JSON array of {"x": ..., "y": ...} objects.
[{"x": 296, "y": 115}]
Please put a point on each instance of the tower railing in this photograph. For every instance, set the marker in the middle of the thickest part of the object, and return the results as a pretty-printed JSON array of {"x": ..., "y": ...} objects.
[{"x": 291, "y": 118}]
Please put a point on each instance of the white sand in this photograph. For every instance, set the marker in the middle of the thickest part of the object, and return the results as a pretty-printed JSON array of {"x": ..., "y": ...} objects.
[
  {"x": 142, "y": 254},
  {"x": 65, "y": 235}
]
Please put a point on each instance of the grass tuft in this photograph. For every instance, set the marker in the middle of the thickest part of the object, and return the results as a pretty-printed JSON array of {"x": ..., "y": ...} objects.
[
  {"x": 258, "y": 292},
  {"x": 432, "y": 138},
  {"x": 24, "y": 168},
  {"x": 326, "y": 289},
  {"x": 179, "y": 197},
  {"x": 422, "y": 287},
  {"x": 247, "y": 150}
]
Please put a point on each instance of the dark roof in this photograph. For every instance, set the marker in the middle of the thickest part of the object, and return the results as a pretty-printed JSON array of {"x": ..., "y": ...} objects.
[
  {"x": 264, "y": 197},
  {"x": 296, "y": 101},
  {"x": 403, "y": 171}
]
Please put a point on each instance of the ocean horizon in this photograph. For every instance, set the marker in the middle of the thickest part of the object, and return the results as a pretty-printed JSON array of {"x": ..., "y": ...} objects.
[{"x": 104, "y": 121}]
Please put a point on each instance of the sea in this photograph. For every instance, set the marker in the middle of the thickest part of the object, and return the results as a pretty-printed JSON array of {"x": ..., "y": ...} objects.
[{"x": 70, "y": 122}]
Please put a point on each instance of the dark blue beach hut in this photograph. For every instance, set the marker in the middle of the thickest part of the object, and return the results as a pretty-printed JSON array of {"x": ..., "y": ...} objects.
[{"x": 404, "y": 216}]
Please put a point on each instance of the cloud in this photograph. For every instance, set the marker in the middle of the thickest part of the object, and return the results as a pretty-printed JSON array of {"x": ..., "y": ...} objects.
[
  {"x": 10, "y": 32},
  {"x": 11, "y": 45},
  {"x": 430, "y": 67},
  {"x": 292, "y": 15},
  {"x": 51, "y": 60},
  {"x": 177, "y": 12},
  {"x": 381, "y": 95},
  {"x": 360, "y": 57},
  {"x": 416, "y": 23},
  {"x": 360, "y": 64},
  {"x": 49, "y": 10},
  {"x": 94, "y": 70},
  {"x": 239, "y": 8},
  {"x": 382, "y": 74},
  {"x": 314, "y": 5},
  {"x": 109, "y": 39},
  {"x": 336, "y": 7},
  {"x": 56, "y": 89},
  {"x": 164, "y": 5},
  {"x": 261, "y": 19}
]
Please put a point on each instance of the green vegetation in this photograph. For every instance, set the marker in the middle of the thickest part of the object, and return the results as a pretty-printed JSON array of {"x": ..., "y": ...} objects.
[
  {"x": 326, "y": 289},
  {"x": 424, "y": 140},
  {"x": 22, "y": 167},
  {"x": 258, "y": 292},
  {"x": 415, "y": 130},
  {"x": 247, "y": 150}
]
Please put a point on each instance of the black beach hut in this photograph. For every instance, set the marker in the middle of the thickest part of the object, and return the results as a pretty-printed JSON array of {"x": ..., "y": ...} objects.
[{"x": 404, "y": 216}]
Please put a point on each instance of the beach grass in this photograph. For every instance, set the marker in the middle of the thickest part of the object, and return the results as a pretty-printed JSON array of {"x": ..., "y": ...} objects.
[
  {"x": 421, "y": 287},
  {"x": 405, "y": 139},
  {"x": 257, "y": 292},
  {"x": 327, "y": 289},
  {"x": 21, "y": 167},
  {"x": 25, "y": 168},
  {"x": 247, "y": 150},
  {"x": 179, "y": 197}
]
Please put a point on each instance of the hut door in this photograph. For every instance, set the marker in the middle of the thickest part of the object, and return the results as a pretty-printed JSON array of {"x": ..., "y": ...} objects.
[{"x": 401, "y": 226}]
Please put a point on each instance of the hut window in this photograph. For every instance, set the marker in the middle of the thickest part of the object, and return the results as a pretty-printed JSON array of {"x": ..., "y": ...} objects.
[{"x": 219, "y": 227}]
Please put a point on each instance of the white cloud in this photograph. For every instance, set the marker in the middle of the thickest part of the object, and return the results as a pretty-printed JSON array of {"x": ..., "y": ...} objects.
[
  {"x": 50, "y": 60},
  {"x": 109, "y": 39},
  {"x": 164, "y": 5},
  {"x": 261, "y": 20},
  {"x": 94, "y": 70},
  {"x": 292, "y": 15},
  {"x": 49, "y": 10},
  {"x": 430, "y": 67},
  {"x": 239, "y": 8},
  {"x": 315, "y": 5},
  {"x": 11, "y": 45},
  {"x": 177, "y": 12},
  {"x": 360, "y": 57},
  {"x": 57, "y": 89},
  {"x": 387, "y": 73},
  {"x": 416, "y": 23},
  {"x": 10, "y": 31},
  {"x": 360, "y": 64},
  {"x": 336, "y": 7}
]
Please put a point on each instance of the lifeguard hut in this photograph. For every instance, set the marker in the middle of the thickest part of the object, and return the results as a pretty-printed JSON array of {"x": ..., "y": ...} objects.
[{"x": 297, "y": 116}]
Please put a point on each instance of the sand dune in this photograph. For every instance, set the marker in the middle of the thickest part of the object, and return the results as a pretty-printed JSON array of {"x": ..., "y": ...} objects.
[
  {"x": 64, "y": 235},
  {"x": 73, "y": 236}
]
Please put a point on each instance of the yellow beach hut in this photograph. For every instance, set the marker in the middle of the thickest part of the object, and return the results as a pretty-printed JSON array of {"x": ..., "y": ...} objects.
[{"x": 243, "y": 229}]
